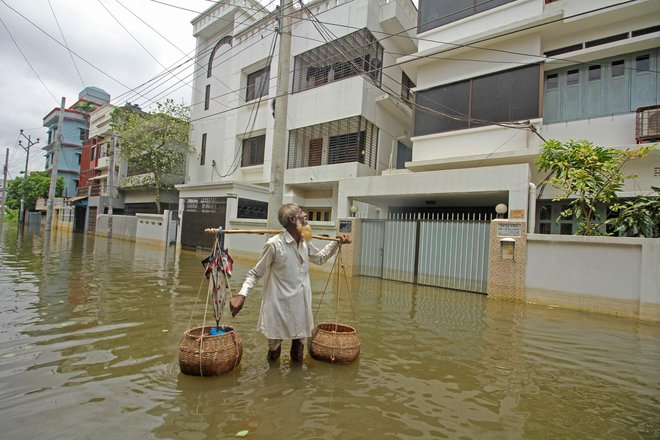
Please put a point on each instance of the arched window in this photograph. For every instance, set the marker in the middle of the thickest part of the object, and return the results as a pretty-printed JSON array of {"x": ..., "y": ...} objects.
[{"x": 223, "y": 40}]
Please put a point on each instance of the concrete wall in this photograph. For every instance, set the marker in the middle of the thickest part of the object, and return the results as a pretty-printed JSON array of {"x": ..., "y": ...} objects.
[
  {"x": 616, "y": 276},
  {"x": 123, "y": 226},
  {"x": 148, "y": 228},
  {"x": 156, "y": 228}
]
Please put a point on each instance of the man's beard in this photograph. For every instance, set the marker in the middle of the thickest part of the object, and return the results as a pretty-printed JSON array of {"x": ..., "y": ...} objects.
[{"x": 305, "y": 230}]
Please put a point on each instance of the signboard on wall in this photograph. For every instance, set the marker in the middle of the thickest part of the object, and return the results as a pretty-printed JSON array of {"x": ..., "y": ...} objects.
[
  {"x": 345, "y": 226},
  {"x": 509, "y": 230}
]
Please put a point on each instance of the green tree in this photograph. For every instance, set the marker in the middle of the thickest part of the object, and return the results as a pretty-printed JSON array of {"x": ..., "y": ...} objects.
[
  {"x": 36, "y": 185},
  {"x": 637, "y": 218},
  {"x": 588, "y": 175},
  {"x": 155, "y": 142}
]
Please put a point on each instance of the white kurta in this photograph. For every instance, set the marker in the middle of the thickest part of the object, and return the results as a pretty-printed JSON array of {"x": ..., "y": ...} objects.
[{"x": 286, "y": 306}]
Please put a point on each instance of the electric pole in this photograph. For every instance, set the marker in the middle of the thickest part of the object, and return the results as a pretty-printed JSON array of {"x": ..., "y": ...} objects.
[
  {"x": 57, "y": 146},
  {"x": 110, "y": 189},
  {"x": 4, "y": 187},
  {"x": 277, "y": 164},
  {"x": 21, "y": 214}
]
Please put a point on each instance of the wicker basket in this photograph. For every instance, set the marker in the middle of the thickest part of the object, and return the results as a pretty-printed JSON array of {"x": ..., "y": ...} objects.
[
  {"x": 335, "y": 343},
  {"x": 201, "y": 354}
]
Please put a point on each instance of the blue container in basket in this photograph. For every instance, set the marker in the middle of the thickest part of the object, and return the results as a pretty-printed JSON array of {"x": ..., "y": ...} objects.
[{"x": 215, "y": 331}]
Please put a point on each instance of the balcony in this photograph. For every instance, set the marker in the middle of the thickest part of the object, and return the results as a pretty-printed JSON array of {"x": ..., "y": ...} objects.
[
  {"x": 349, "y": 140},
  {"x": 102, "y": 163},
  {"x": 398, "y": 18}
]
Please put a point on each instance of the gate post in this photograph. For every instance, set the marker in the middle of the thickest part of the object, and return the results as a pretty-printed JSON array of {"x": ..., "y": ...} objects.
[
  {"x": 507, "y": 259},
  {"x": 350, "y": 253}
]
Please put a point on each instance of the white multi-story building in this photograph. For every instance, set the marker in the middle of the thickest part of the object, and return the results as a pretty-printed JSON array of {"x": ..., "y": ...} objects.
[
  {"x": 491, "y": 80},
  {"x": 348, "y": 114},
  {"x": 494, "y": 78}
]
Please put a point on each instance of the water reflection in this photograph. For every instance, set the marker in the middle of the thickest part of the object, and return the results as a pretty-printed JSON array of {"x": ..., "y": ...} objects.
[{"x": 89, "y": 333}]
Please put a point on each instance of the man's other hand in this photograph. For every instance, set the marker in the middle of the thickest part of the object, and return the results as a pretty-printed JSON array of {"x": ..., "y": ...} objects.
[{"x": 236, "y": 304}]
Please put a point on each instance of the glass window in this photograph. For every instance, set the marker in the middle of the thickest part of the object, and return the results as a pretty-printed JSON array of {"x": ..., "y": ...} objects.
[
  {"x": 406, "y": 85},
  {"x": 643, "y": 63},
  {"x": 551, "y": 81},
  {"x": 319, "y": 214},
  {"x": 207, "y": 97},
  {"x": 545, "y": 212},
  {"x": 434, "y": 13},
  {"x": 618, "y": 68},
  {"x": 545, "y": 228},
  {"x": 403, "y": 155},
  {"x": 566, "y": 229},
  {"x": 202, "y": 158},
  {"x": 594, "y": 72},
  {"x": 510, "y": 95},
  {"x": 253, "y": 151},
  {"x": 257, "y": 84},
  {"x": 572, "y": 77}
]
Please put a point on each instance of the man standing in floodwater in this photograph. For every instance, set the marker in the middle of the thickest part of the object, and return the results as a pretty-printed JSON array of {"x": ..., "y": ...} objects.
[{"x": 286, "y": 307}]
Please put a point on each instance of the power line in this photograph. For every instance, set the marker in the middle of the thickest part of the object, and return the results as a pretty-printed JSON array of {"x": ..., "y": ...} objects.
[
  {"x": 158, "y": 82},
  {"x": 134, "y": 38},
  {"x": 26, "y": 59},
  {"x": 66, "y": 43},
  {"x": 58, "y": 42}
]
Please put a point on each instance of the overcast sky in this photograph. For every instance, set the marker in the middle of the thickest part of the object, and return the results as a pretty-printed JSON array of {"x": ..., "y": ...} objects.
[
  {"x": 114, "y": 60},
  {"x": 37, "y": 70}
]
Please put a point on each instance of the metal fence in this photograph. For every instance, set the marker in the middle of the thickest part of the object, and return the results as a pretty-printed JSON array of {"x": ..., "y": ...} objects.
[{"x": 450, "y": 251}]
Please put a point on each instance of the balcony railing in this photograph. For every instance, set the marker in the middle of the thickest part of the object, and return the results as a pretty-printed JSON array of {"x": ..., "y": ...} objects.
[
  {"x": 346, "y": 140},
  {"x": 647, "y": 124},
  {"x": 348, "y": 56}
]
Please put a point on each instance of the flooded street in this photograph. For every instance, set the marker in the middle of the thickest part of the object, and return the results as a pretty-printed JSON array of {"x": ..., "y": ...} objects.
[{"x": 90, "y": 328}]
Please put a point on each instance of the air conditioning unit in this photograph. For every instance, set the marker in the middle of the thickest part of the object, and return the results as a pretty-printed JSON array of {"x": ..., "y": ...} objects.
[{"x": 647, "y": 124}]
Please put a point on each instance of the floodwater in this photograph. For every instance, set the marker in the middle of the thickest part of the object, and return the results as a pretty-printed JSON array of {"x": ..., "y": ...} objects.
[{"x": 89, "y": 334}]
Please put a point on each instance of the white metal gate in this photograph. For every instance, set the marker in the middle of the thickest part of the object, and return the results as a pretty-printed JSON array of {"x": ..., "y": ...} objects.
[{"x": 450, "y": 252}]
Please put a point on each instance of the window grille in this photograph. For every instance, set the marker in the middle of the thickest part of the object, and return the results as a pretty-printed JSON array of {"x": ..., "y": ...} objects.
[
  {"x": 346, "y": 140},
  {"x": 252, "y": 209},
  {"x": 148, "y": 208},
  {"x": 205, "y": 204},
  {"x": 345, "y": 57}
]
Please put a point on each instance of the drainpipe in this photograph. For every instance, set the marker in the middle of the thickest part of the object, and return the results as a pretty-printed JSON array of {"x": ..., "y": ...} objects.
[{"x": 531, "y": 212}]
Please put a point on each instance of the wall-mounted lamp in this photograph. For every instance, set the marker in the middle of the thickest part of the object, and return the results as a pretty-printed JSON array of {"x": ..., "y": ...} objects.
[
  {"x": 213, "y": 163},
  {"x": 354, "y": 210},
  {"x": 501, "y": 209}
]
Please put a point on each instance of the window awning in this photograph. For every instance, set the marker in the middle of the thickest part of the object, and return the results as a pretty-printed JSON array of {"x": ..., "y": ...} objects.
[{"x": 73, "y": 199}]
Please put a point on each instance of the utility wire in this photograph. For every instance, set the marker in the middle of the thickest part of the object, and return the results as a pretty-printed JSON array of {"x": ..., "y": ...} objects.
[
  {"x": 66, "y": 43},
  {"x": 209, "y": 48},
  {"x": 26, "y": 59},
  {"x": 391, "y": 35},
  {"x": 58, "y": 42},
  {"x": 253, "y": 113},
  {"x": 138, "y": 42}
]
